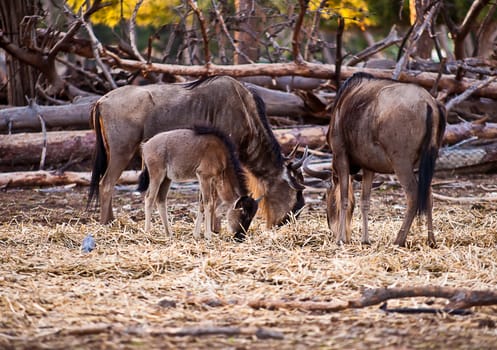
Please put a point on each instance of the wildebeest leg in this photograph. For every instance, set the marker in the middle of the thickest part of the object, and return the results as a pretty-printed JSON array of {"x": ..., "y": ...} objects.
[
  {"x": 429, "y": 221},
  {"x": 216, "y": 222},
  {"x": 162, "y": 204},
  {"x": 342, "y": 172},
  {"x": 409, "y": 183},
  {"x": 117, "y": 164},
  {"x": 200, "y": 216},
  {"x": 209, "y": 193},
  {"x": 151, "y": 197},
  {"x": 367, "y": 180}
]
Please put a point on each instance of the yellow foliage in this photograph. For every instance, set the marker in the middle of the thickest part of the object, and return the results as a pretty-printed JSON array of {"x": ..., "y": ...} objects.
[
  {"x": 152, "y": 12},
  {"x": 355, "y": 12}
]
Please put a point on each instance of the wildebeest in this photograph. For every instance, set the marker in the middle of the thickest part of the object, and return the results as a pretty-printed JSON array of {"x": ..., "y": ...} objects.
[
  {"x": 125, "y": 117},
  {"x": 201, "y": 153},
  {"x": 384, "y": 126}
]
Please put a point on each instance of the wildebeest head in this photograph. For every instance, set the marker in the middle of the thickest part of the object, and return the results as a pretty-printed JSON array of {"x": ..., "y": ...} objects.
[{"x": 293, "y": 178}]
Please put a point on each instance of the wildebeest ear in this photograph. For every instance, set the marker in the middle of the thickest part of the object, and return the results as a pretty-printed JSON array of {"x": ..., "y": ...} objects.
[
  {"x": 239, "y": 202},
  {"x": 290, "y": 179}
]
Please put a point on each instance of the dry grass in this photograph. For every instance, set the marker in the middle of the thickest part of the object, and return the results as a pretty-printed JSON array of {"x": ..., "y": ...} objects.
[{"x": 132, "y": 291}]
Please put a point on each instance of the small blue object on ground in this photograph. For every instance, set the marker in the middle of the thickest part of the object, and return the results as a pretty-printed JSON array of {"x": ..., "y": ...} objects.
[{"x": 88, "y": 243}]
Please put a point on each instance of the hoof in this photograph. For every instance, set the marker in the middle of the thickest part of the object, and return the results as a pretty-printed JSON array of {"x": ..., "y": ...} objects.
[
  {"x": 239, "y": 237},
  {"x": 432, "y": 244},
  {"x": 367, "y": 242}
]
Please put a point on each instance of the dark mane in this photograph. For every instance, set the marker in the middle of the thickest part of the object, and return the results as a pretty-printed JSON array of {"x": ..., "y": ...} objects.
[
  {"x": 193, "y": 84},
  {"x": 275, "y": 148},
  {"x": 353, "y": 81},
  {"x": 203, "y": 129}
]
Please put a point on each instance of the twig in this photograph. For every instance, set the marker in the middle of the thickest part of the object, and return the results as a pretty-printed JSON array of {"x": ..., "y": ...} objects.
[
  {"x": 465, "y": 200},
  {"x": 226, "y": 32},
  {"x": 314, "y": 28},
  {"x": 34, "y": 106},
  {"x": 297, "y": 57},
  {"x": 132, "y": 34},
  {"x": 417, "y": 35},
  {"x": 458, "y": 99},
  {"x": 458, "y": 299},
  {"x": 260, "y": 333},
  {"x": 391, "y": 39},
  {"x": 203, "y": 29},
  {"x": 338, "y": 52},
  {"x": 91, "y": 329},
  {"x": 489, "y": 18},
  {"x": 97, "y": 48}
]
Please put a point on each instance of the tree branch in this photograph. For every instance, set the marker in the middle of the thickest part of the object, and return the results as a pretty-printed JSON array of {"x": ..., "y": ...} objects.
[
  {"x": 132, "y": 34},
  {"x": 297, "y": 57},
  {"x": 203, "y": 29},
  {"x": 458, "y": 299},
  {"x": 468, "y": 92},
  {"x": 401, "y": 64},
  {"x": 226, "y": 32}
]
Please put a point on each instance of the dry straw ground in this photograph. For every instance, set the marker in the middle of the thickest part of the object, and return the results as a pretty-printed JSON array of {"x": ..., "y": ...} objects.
[{"x": 136, "y": 290}]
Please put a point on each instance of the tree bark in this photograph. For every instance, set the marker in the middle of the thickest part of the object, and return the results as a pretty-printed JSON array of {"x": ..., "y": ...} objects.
[
  {"x": 417, "y": 10},
  {"x": 246, "y": 36},
  {"x": 313, "y": 70},
  {"x": 71, "y": 116},
  {"x": 53, "y": 178},
  {"x": 15, "y": 18},
  {"x": 61, "y": 147}
]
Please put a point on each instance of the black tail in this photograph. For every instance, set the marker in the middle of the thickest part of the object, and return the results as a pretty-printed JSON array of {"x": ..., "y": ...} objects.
[
  {"x": 429, "y": 153},
  {"x": 99, "y": 159},
  {"x": 143, "y": 180}
]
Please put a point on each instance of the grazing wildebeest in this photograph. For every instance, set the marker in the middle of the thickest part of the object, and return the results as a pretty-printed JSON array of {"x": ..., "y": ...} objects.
[
  {"x": 201, "y": 153},
  {"x": 380, "y": 125},
  {"x": 125, "y": 117}
]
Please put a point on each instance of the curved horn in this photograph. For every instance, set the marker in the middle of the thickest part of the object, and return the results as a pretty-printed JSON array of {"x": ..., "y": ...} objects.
[
  {"x": 323, "y": 174},
  {"x": 290, "y": 179},
  {"x": 292, "y": 152},
  {"x": 299, "y": 162}
]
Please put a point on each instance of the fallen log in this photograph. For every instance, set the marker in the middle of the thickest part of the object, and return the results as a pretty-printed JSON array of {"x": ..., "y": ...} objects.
[
  {"x": 455, "y": 133},
  {"x": 457, "y": 299},
  {"x": 71, "y": 116},
  {"x": 26, "y": 149},
  {"x": 54, "y": 178}
]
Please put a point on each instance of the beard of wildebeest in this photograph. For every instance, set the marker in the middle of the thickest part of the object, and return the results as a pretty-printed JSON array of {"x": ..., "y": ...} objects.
[
  {"x": 273, "y": 207},
  {"x": 129, "y": 115}
]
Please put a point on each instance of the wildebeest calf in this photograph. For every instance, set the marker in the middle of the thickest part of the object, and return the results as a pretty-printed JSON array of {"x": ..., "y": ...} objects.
[
  {"x": 202, "y": 153},
  {"x": 384, "y": 126}
]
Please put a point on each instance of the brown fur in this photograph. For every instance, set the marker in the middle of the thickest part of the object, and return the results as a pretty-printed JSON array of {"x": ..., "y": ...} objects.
[
  {"x": 213, "y": 162},
  {"x": 379, "y": 125},
  {"x": 129, "y": 115}
]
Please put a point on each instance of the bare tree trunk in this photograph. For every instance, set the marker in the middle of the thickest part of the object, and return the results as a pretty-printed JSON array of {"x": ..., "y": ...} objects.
[
  {"x": 246, "y": 37},
  {"x": 17, "y": 19},
  {"x": 417, "y": 9}
]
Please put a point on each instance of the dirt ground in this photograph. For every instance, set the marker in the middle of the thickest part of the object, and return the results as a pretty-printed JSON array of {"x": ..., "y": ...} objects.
[{"x": 138, "y": 290}]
